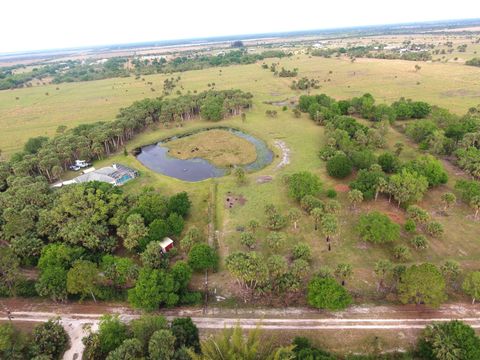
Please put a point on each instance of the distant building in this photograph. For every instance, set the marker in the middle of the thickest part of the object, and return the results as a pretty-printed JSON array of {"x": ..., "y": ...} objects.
[{"x": 116, "y": 175}]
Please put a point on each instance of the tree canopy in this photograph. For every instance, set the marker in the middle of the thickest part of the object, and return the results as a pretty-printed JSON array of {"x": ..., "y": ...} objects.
[
  {"x": 422, "y": 284},
  {"x": 326, "y": 293}
]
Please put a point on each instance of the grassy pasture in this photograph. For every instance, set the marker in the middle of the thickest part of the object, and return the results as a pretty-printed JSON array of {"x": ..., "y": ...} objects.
[{"x": 30, "y": 112}]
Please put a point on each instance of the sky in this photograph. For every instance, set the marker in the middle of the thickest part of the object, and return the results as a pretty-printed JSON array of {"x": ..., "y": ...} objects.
[{"x": 50, "y": 24}]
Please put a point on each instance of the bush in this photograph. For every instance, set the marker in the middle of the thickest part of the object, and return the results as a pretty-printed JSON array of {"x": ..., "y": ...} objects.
[
  {"x": 339, "y": 166},
  {"x": 410, "y": 226},
  {"x": 331, "y": 193},
  {"x": 363, "y": 159},
  {"x": 326, "y": 293},
  {"x": 302, "y": 184},
  {"x": 302, "y": 251},
  {"x": 434, "y": 229},
  {"x": 431, "y": 168},
  {"x": 366, "y": 182},
  {"x": 402, "y": 253},
  {"x": 309, "y": 202},
  {"x": 389, "y": 162},
  {"x": 377, "y": 228},
  {"x": 419, "y": 242},
  {"x": 202, "y": 257},
  {"x": 50, "y": 339}
]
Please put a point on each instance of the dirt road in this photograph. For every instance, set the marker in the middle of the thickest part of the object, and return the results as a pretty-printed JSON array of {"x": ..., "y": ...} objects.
[{"x": 74, "y": 317}]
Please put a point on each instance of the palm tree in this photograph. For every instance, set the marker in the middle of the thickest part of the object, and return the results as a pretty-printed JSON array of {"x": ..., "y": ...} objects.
[
  {"x": 475, "y": 204},
  {"x": 294, "y": 215},
  {"x": 231, "y": 344},
  {"x": 382, "y": 269},
  {"x": 329, "y": 225},
  {"x": 355, "y": 197},
  {"x": 381, "y": 187},
  {"x": 448, "y": 199},
  {"x": 343, "y": 271},
  {"x": 317, "y": 214}
]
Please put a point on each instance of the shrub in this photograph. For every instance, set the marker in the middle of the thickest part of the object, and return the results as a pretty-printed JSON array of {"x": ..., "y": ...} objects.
[
  {"x": 326, "y": 293},
  {"x": 431, "y": 168},
  {"x": 50, "y": 339},
  {"x": 434, "y": 228},
  {"x": 302, "y": 184},
  {"x": 410, "y": 226},
  {"x": 247, "y": 239},
  {"x": 377, "y": 228},
  {"x": 339, "y": 166},
  {"x": 363, "y": 159},
  {"x": 366, "y": 182},
  {"x": 309, "y": 202},
  {"x": 302, "y": 251},
  {"x": 202, "y": 257},
  {"x": 419, "y": 242},
  {"x": 389, "y": 162},
  {"x": 417, "y": 214},
  {"x": 402, "y": 253},
  {"x": 331, "y": 193}
]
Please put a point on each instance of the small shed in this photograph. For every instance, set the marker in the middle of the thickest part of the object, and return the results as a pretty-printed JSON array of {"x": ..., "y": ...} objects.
[{"x": 166, "y": 244}]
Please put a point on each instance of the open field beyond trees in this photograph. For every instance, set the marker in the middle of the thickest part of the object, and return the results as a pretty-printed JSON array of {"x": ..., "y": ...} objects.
[{"x": 29, "y": 112}]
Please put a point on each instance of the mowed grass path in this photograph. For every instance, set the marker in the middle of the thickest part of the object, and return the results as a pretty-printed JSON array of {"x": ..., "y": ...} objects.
[{"x": 454, "y": 86}]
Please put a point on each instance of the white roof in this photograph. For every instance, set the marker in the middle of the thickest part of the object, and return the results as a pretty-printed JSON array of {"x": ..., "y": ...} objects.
[{"x": 165, "y": 242}]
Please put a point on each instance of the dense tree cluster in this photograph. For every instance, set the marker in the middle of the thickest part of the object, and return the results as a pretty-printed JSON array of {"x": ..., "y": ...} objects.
[
  {"x": 305, "y": 83},
  {"x": 48, "y": 340},
  {"x": 444, "y": 133},
  {"x": 323, "y": 108},
  {"x": 71, "y": 233},
  {"x": 148, "y": 337}
]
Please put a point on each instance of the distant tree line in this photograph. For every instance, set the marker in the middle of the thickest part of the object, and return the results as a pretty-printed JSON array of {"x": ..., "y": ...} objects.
[
  {"x": 473, "y": 62},
  {"x": 376, "y": 52},
  {"x": 198, "y": 61},
  {"x": 93, "y": 69}
]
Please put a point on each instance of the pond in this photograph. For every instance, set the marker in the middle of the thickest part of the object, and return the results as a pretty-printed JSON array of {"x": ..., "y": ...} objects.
[{"x": 157, "y": 158}]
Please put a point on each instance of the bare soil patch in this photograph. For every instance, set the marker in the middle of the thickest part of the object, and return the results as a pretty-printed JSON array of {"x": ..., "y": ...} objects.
[
  {"x": 264, "y": 179},
  {"x": 382, "y": 205},
  {"x": 342, "y": 188},
  {"x": 232, "y": 200}
]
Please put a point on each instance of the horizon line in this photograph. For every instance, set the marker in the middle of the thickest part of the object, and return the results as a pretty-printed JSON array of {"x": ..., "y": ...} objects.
[{"x": 229, "y": 37}]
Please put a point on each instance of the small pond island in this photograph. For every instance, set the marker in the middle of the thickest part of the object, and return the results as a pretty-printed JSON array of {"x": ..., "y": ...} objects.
[{"x": 206, "y": 153}]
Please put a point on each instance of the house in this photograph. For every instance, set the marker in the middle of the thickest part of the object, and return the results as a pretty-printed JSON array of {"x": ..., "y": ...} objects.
[
  {"x": 166, "y": 244},
  {"x": 116, "y": 175}
]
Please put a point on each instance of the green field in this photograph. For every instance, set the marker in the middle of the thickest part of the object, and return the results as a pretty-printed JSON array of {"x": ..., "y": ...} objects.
[{"x": 30, "y": 112}]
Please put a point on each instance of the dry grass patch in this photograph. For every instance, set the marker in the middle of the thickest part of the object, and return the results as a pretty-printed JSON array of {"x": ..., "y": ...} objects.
[{"x": 220, "y": 147}]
